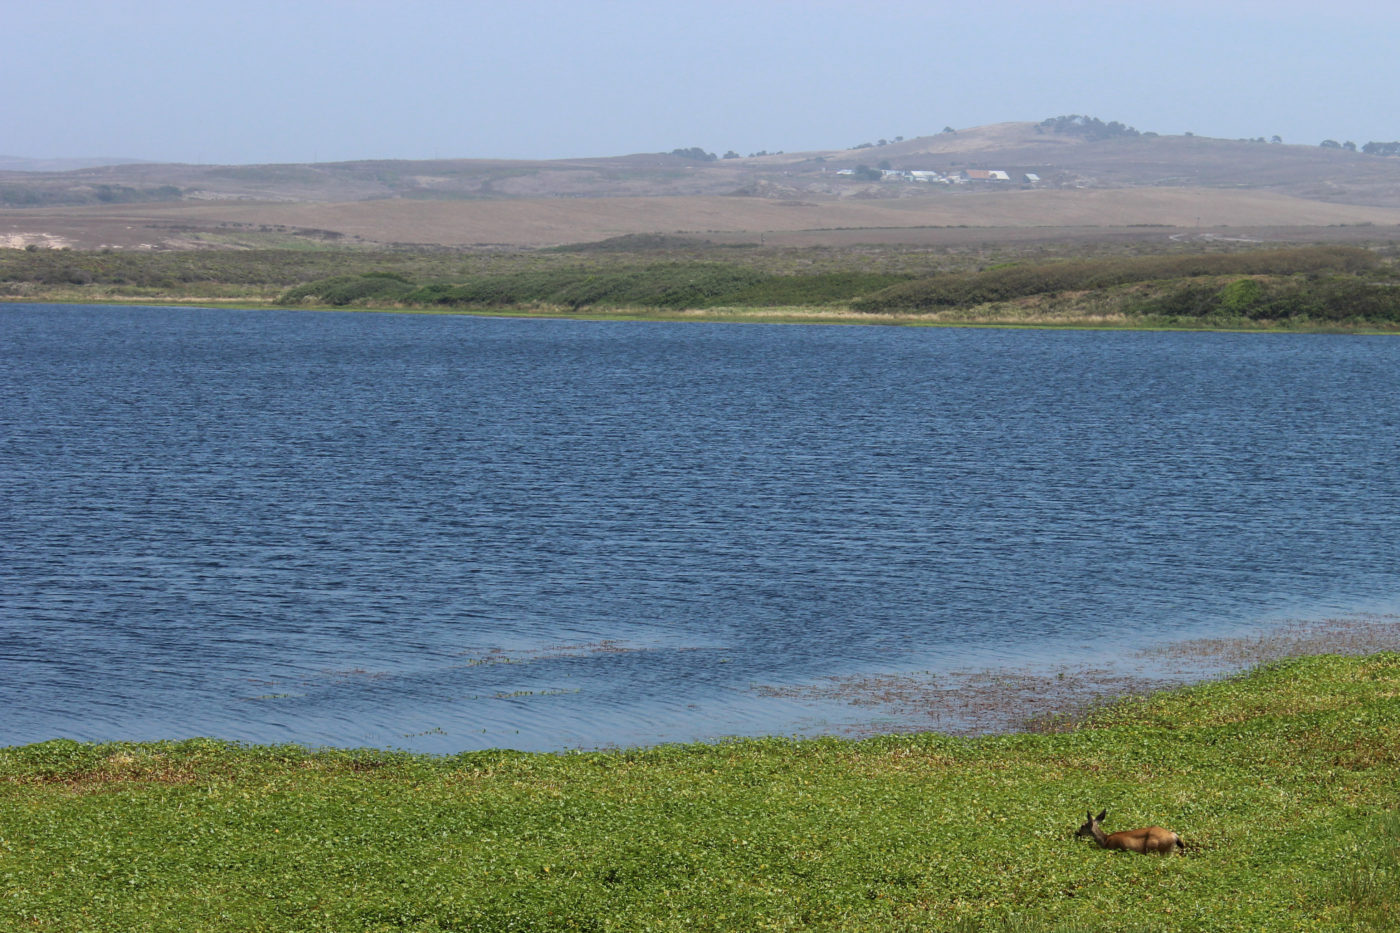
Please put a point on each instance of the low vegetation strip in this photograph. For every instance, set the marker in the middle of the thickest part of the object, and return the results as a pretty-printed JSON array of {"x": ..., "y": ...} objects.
[
  {"x": 1298, "y": 287},
  {"x": 670, "y": 286},
  {"x": 1019, "y": 280},
  {"x": 663, "y": 285},
  {"x": 1282, "y": 783},
  {"x": 1318, "y": 284}
]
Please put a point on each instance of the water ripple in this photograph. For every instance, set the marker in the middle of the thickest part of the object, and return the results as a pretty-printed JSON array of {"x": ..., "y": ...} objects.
[{"x": 449, "y": 533}]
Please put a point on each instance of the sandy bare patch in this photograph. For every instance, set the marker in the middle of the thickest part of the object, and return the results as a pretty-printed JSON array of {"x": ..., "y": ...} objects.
[{"x": 41, "y": 240}]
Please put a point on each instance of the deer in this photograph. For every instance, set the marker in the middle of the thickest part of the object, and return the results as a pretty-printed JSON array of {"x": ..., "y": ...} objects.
[{"x": 1148, "y": 839}]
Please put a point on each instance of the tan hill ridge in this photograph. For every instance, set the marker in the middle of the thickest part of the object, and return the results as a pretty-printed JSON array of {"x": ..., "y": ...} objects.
[{"x": 1039, "y": 179}]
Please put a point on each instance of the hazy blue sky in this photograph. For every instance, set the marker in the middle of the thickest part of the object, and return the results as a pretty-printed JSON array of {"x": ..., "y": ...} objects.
[{"x": 306, "y": 80}]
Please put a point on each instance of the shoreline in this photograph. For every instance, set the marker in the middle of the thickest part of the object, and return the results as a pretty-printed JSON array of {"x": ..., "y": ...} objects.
[
  {"x": 1055, "y": 698},
  {"x": 834, "y": 317},
  {"x": 1014, "y": 699},
  {"x": 896, "y": 832}
]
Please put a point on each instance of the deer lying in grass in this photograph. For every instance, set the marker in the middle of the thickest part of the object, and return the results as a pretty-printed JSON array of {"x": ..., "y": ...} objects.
[{"x": 1148, "y": 839}]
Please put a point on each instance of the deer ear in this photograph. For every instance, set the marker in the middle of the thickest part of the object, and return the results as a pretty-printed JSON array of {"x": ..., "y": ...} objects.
[{"x": 1102, "y": 814}]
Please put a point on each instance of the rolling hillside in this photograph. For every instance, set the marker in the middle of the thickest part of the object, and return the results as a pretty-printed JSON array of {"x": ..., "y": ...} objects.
[{"x": 1041, "y": 179}]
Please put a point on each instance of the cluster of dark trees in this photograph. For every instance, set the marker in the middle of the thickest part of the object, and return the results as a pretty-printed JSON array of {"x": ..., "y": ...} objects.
[
  {"x": 1088, "y": 127},
  {"x": 700, "y": 155},
  {"x": 880, "y": 142},
  {"x": 1371, "y": 148},
  {"x": 696, "y": 153}
]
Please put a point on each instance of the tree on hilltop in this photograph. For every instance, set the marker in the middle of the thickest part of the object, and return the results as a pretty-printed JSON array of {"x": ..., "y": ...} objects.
[
  {"x": 696, "y": 153},
  {"x": 1091, "y": 128}
]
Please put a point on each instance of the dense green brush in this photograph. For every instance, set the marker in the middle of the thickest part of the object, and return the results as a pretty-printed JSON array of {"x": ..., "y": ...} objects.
[
  {"x": 1018, "y": 280},
  {"x": 1317, "y": 287}
]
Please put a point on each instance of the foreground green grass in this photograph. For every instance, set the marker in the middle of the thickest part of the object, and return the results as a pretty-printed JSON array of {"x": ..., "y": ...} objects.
[{"x": 1284, "y": 783}]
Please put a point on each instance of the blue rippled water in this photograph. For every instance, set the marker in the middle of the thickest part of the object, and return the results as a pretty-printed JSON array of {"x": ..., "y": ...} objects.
[{"x": 446, "y": 533}]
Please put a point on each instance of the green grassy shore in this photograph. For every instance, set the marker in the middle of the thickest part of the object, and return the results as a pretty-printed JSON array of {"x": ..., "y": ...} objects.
[
  {"x": 1284, "y": 782},
  {"x": 1295, "y": 288}
]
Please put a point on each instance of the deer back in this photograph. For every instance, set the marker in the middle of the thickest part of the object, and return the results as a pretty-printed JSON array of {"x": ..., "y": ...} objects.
[{"x": 1147, "y": 839}]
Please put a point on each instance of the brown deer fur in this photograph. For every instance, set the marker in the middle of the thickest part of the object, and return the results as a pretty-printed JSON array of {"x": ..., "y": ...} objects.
[{"x": 1148, "y": 839}]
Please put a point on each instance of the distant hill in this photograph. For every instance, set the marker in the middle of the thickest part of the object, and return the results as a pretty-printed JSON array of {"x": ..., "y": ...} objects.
[
  {"x": 1060, "y": 160},
  {"x": 1047, "y": 175},
  {"x": 23, "y": 164}
]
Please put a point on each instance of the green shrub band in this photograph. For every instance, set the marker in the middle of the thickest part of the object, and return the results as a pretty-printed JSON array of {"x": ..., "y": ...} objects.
[
  {"x": 1325, "y": 286},
  {"x": 1021, "y": 280}
]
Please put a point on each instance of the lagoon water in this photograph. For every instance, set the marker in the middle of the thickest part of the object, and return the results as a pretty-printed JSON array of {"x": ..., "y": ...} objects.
[{"x": 446, "y": 533}]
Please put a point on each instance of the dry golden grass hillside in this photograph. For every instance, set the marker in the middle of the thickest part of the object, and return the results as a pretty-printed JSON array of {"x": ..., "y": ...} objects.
[{"x": 1144, "y": 183}]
